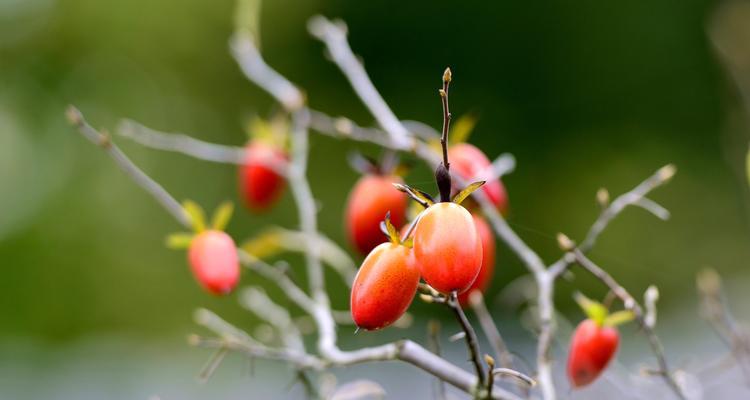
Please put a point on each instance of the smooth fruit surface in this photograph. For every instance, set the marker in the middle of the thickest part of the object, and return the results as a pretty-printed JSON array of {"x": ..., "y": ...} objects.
[
  {"x": 384, "y": 286},
  {"x": 260, "y": 185},
  {"x": 473, "y": 165},
  {"x": 213, "y": 259},
  {"x": 591, "y": 349},
  {"x": 487, "y": 270},
  {"x": 447, "y": 247},
  {"x": 369, "y": 201}
]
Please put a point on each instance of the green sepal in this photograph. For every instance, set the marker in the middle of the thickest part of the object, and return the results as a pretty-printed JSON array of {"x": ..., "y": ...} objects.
[
  {"x": 391, "y": 230},
  {"x": 419, "y": 196},
  {"x": 264, "y": 245},
  {"x": 594, "y": 310},
  {"x": 462, "y": 195},
  {"x": 196, "y": 214},
  {"x": 462, "y": 128},
  {"x": 619, "y": 318},
  {"x": 179, "y": 240},
  {"x": 222, "y": 215}
]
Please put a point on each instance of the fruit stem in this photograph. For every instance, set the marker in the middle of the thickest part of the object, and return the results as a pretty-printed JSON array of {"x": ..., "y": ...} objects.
[{"x": 442, "y": 173}]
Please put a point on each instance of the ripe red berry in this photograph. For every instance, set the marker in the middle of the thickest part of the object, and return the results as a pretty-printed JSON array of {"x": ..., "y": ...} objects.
[
  {"x": 591, "y": 349},
  {"x": 384, "y": 286},
  {"x": 372, "y": 197},
  {"x": 260, "y": 185},
  {"x": 488, "y": 260},
  {"x": 213, "y": 259},
  {"x": 473, "y": 165},
  {"x": 447, "y": 247}
]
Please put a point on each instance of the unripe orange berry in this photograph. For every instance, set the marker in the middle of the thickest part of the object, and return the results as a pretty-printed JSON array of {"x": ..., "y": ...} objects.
[
  {"x": 447, "y": 247},
  {"x": 384, "y": 286},
  {"x": 371, "y": 199}
]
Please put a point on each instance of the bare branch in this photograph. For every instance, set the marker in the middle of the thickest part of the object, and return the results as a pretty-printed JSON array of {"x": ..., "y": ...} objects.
[
  {"x": 634, "y": 197},
  {"x": 471, "y": 337},
  {"x": 136, "y": 174},
  {"x": 476, "y": 300},
  {"x": 333, "y": 35}
]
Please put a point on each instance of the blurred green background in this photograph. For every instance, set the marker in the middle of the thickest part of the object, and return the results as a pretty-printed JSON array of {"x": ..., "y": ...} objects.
[{"x": 586, "y": 95}]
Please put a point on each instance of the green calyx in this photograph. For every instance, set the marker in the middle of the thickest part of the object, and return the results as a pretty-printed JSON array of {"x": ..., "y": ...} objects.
[
  {"x": 219, "y": 221},
  {"x": 599, "y": 313}
]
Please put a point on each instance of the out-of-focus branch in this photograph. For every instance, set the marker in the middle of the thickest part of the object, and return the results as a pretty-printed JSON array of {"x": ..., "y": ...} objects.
[
  {"x": 257, "y": 301},
  {"x": 631, "y": 304},
  {"x": 255, "y": 68},
  {"x": 716, "y": 311},
  {"x": 476, "y": 300},
  {"x": 333, "y": 35},
  {"x": 136, "y": 174},
  {"x": 635, "y": 197}
]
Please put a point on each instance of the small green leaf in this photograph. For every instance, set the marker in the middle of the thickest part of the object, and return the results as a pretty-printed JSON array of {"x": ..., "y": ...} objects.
[
  {"x": 462, "y": 128},
  {"x": 197, "y": 216},
  {"x": 222, "y": 215},
  {"x": 179, "y": 240},
  {"x": 392, "y": 232},
  {"x": 462, "y": 195},
  {"x": 593, "y": 309},
  {"x": 264, "y": 245},
  {"x": 619, "y": 318}
]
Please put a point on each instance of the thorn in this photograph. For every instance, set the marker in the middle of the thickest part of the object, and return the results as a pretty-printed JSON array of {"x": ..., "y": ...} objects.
[{"x": 356, "y": 331}]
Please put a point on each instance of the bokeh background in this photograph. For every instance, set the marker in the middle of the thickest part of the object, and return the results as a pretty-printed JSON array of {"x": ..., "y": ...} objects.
[{"x": 586, "y": 95}]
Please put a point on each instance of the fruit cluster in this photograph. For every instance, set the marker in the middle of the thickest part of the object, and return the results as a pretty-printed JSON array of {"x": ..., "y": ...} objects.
[{"x": 448, "y": 247}]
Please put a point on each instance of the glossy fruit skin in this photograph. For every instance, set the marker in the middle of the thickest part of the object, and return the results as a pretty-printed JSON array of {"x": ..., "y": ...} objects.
[
  {"x": 447, "y": 247},
  {"x": 591, "y": 349},
  {"x": 214, "y": 261},
  {"x": 261, "y": 186},
  {"x": 487, "y": 270},
  {"x": 473, "y": 165},
  {"x": 384, "y": 286},
  {"x": 369, "y": 201}
]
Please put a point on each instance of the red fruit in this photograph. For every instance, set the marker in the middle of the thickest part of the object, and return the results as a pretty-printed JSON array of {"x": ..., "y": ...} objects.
[
  {"x": 260, "y": 185},
  {"x": 371, "y": 199},
  {"x": 591, "y": 349},
  {"x": 471, "y": 164},
  {"x": 447, "y": 247},
  {"x": 213, "y": 259},
  {"x": 488, "y": 260},
  {"x": 384, "y": 286}
]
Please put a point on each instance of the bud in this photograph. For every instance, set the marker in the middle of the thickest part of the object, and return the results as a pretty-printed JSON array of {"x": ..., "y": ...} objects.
[
  {"x": 489, "y": 360},
  {"x": 564, "y": 242},
  {"x": 447, "y": 75},
  {"x": 602, "y": 197},
  {"x": 443, "y": 179},
  {"x": 667, "y": 172}
]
